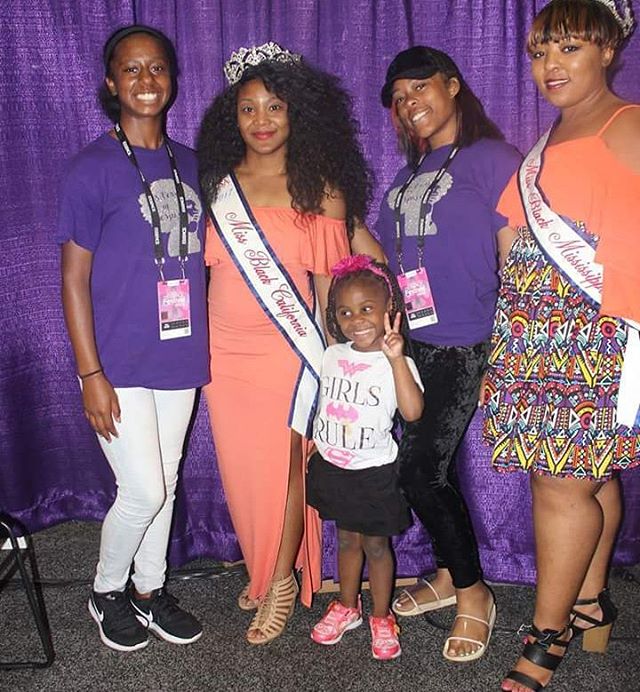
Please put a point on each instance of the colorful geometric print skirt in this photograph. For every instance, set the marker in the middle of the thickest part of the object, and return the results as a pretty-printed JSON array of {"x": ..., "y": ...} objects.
[{"x": 551, "y": 389}]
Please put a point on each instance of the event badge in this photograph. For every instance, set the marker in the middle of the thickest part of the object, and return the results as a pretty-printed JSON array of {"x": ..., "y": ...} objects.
[
  {"x": 418, "y": 300},
  {"x": 174, "y": 309}
]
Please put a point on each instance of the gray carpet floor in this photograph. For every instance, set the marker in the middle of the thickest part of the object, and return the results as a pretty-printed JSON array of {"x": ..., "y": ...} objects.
[{"x": 221, "y": 660}]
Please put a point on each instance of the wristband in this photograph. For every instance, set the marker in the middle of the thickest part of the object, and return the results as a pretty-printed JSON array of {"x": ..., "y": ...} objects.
[{"x": 90, "y": 374}]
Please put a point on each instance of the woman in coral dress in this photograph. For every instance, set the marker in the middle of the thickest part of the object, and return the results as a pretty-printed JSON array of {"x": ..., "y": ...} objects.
[{"x": 279, "y": 144}]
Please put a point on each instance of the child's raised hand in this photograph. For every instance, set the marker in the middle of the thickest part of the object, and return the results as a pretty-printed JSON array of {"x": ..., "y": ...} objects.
[{"x": 393, "y": 341}]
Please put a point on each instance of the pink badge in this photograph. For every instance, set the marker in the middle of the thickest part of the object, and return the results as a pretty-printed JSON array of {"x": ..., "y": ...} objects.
[
  {"x": 418, "y": 300},
  {"x": 174, "y": 309}
]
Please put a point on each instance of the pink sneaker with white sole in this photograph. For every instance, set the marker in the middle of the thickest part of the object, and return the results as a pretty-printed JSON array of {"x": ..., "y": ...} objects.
[
  {"x": 336, "y": 620},
  {"x": 385, "y": 644}
]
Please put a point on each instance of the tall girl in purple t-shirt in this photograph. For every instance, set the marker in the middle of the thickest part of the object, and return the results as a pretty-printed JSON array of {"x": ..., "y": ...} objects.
[
  {"x": 130, "y": 217},
  {"x": 442, "y": 235}
]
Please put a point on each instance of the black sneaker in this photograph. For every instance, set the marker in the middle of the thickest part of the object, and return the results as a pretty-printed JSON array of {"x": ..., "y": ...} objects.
[
  {"x": 163, "y": 617},
  {"x": 119, "y": 628}
]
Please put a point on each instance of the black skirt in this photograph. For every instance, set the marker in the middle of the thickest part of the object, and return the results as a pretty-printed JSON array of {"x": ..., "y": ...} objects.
[{"x": 366, "y": 501}]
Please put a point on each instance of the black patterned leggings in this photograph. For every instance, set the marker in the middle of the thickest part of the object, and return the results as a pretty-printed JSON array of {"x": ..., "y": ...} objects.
[{"x": 451, "y": 376}]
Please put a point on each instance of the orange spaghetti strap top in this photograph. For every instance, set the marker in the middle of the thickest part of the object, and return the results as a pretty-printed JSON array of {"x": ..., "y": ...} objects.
[{"x": 601, "y": 131}]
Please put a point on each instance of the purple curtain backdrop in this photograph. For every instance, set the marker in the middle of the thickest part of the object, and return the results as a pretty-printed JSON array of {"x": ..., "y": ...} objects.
[{"x": 51, "y": 469}]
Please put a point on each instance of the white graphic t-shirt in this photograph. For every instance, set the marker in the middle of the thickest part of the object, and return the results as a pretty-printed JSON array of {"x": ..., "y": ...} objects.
[{"x": 357, "y": 404}]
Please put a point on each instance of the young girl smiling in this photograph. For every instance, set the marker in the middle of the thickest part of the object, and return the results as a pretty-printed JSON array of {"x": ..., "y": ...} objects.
[{"x": 352, "y": 479}]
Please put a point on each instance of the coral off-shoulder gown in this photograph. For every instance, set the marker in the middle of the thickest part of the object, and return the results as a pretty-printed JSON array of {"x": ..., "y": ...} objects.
[{"x": 253, "y": 374}]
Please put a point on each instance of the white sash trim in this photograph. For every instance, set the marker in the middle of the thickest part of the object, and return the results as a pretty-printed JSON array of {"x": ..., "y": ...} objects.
[
  {"x": 276, "y": 293},
  {"x": 575, "y": 259}
]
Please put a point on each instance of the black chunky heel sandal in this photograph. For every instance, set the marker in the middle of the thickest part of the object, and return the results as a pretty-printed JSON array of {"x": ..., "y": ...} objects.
[
  {"x": 537, "y": 652},
  {"x": 595, "y": 637}
]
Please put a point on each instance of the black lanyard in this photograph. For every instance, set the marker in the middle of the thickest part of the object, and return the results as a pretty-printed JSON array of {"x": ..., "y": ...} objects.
[
  {"x": 158, "y": 247},
  {"x": 424, "y": 203}
]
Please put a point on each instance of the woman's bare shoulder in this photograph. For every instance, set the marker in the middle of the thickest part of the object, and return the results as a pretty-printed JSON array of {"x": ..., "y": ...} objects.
[
  {"x": 623, "y": 137},
  {"x": 333, "y": 204}
]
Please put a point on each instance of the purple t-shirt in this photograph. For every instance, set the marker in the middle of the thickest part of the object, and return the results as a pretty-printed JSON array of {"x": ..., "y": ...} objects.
[
  {"x": 460, "y": 245},
  {"x": 103, "y": 209}
]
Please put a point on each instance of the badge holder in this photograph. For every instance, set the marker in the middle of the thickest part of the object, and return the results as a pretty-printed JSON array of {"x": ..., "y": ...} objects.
[
  {"x": 174, "y": 307},
  {"x": 418, "y": 299}
]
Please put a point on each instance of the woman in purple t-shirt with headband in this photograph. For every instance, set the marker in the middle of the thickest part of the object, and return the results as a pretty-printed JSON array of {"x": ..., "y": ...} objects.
[
  {"x": 130, "y": 218},
  {"x": 442, "y": 235}
]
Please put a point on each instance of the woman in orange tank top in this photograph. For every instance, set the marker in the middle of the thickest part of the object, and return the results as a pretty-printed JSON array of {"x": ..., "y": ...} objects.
[{"x": 553, "y": 396}]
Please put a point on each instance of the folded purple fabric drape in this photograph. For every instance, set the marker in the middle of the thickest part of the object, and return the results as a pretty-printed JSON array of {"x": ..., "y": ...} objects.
[{"x": 51, "y": 469}]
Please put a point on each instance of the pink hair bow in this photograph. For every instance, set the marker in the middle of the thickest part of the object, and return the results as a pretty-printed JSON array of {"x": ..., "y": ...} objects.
[{"x": 354, "y": 263}]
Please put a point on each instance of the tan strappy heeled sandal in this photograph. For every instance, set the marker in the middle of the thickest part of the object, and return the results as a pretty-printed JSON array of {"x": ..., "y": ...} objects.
[
  {"x": 274, "y": 611},
  {"x": 246, "y": 603}
]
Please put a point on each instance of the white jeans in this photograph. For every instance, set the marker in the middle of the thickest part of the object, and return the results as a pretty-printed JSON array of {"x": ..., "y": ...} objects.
[{"x": 144, "y": 458}]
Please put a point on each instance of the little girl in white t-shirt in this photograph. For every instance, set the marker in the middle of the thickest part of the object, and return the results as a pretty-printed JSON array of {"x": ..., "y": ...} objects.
[{"x": 352, "y": 479}]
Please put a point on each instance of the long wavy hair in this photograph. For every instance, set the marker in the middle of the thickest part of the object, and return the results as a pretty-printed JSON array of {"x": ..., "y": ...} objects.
[{"x": 323, "y": 150}]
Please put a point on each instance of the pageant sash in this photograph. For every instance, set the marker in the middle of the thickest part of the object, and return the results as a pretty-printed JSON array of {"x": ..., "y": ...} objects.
[
  {"x": 571, "y": 255},
  {"x": 276, "y": 293}
]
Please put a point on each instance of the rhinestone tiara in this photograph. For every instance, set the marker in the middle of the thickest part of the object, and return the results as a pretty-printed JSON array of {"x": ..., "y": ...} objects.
[
  {"x": 624, "y": 17},
  {"x": 244, "y": 58}
]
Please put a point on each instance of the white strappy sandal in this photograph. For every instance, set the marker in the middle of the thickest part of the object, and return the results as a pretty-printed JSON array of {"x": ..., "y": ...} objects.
[
  {"x": 482, "y": 645},
  {"x": 419, "y": 608}
]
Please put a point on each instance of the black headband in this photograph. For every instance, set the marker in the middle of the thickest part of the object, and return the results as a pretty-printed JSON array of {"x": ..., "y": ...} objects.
[{"x": 120, "y": 34}]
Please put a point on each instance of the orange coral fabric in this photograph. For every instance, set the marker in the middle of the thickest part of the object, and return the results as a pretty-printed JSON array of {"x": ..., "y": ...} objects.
[
  {"x": 584, "y": 181},
  {"x": 253, "y": 374}
]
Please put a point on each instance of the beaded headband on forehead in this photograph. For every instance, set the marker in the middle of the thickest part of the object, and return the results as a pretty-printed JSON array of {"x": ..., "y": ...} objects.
[
  {"x": 243, "y": 58},
  {"x": 357, "y": 263}
]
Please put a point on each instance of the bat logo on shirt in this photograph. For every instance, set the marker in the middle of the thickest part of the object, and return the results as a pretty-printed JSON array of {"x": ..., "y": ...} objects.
[
  {"x": 349, "y": 368},
  {"x": 342, "y": 412}
]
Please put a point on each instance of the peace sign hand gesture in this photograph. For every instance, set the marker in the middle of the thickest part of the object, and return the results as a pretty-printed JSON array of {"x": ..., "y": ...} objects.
[{"x": 393, "y": 341}]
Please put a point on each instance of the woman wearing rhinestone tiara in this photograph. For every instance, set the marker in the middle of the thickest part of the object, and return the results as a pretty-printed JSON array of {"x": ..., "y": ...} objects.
[
  {"x": 565, "y": 346},
  {"x": 287, "y": 185}
]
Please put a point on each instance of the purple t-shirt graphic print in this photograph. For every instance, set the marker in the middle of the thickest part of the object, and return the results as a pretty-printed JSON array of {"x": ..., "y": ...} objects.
[
  {"x": 460, "y": 245},
  {"x": 103, "y": 209}
]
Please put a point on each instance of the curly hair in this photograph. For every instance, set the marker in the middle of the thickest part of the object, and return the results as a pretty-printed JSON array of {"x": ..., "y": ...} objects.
[
  {"x": 381, "y": 276},
  {"x": 322, "y": 150}
]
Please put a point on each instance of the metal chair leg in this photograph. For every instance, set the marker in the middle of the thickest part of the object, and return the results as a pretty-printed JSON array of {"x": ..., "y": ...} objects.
[{"x": 15, "y": 562}]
